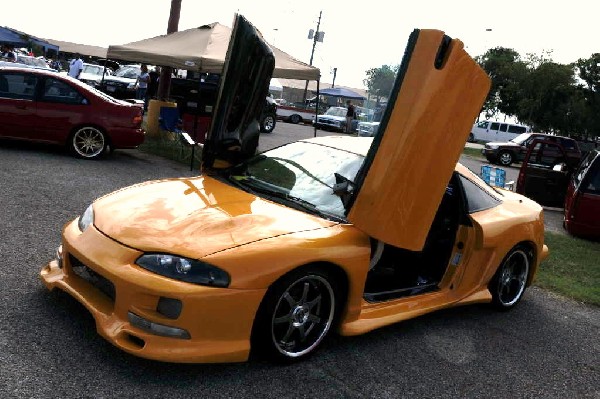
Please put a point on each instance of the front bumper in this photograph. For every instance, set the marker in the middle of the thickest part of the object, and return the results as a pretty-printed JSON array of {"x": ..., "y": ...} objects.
[
  {"x": 218, "y": 321},
  {"x": 489, "y": 153}
]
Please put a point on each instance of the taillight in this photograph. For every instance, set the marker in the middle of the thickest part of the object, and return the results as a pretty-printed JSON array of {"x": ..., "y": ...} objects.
[{"x": 137, "y": 120}]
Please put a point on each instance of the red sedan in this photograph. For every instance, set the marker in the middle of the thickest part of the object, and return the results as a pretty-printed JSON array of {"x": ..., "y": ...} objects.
[{"x": 43, "y": 106}]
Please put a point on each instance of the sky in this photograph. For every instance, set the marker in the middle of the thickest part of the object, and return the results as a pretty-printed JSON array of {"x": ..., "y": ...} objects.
[{"x": 359, "y": 35}]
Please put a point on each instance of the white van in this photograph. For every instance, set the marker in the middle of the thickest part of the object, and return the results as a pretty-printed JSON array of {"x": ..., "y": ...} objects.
[{"x": 496, "y": 131}]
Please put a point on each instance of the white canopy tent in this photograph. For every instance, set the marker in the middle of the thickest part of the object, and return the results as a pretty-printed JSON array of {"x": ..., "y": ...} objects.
[{"x": 202, "y": 49}]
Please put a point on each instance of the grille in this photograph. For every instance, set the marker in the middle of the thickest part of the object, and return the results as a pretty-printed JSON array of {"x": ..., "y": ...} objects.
[{"x": 95, "y": 279}]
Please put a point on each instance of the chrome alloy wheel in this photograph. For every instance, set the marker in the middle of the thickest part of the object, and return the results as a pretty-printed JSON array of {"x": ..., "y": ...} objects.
[
  {"x": 269, "y": 124},
  {"x": 505, "y": 158},
  {"x": 512, "y": 278},
  {"x": 303, "y": 315},
  {"x": 88, "y": 142}
]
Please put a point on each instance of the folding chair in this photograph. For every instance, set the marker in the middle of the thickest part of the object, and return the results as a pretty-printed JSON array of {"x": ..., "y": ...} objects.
[{"x": 170, "y": 122}]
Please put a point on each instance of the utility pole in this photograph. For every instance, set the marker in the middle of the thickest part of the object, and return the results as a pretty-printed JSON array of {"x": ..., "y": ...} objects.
[
  {"x": 164, "y": 83},
  {"x": 334, "y": 73},
  {"x": 317, "y": 35}
]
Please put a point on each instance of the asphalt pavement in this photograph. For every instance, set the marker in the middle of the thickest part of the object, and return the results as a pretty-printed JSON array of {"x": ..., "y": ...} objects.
[{"x": 547, "y": 347}]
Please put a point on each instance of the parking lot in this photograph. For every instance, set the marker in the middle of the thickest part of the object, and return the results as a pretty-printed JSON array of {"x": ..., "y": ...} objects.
[{"x": 546, "y": 347}]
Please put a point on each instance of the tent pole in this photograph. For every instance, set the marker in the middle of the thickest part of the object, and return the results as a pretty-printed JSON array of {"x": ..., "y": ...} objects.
[
  {"x": 198, "y": 108},
  {"x": 317, "y": 106}
]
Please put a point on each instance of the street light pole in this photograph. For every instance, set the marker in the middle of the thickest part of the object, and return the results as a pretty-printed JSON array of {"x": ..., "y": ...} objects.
[
  {"x": 334, "y": 73},
  {"x": 312, "y": 53}
]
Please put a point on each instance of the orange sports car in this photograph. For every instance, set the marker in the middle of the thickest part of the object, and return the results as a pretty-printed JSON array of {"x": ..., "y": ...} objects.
[{"x": 272, "y": 252}]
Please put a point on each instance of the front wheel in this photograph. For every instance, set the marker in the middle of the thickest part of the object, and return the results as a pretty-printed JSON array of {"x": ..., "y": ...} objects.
[
  {"x": 88, "y": 142},
  {"x": 268, "y": 124},
  {"x": 509, "y": 282},
  {"x": 297, "y": 314},
  {"x": 505, "y": 158}
]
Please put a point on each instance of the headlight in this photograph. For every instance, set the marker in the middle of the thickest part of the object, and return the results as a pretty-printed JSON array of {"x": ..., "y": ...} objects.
[
  {"x": 492, "y": 147},
  {"x": 86, "y": 218},
  {"x": 184, "y": 269},
  {"x": 131, "y": 85}
]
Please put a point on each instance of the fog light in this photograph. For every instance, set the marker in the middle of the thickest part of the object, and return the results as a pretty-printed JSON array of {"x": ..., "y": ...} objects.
[
  {"x": 157, "y": 329},
  {"x": 169, "y": 307}
]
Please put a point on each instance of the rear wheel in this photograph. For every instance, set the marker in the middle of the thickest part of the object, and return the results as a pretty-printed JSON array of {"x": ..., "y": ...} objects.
[
  {"x": 295, "y": 119},
  {"x": 471, "y": 138},
  {"x": 88, "y": 142},
  {"x": 509, "y": 282},
  {"x": 296, "y": 314}
]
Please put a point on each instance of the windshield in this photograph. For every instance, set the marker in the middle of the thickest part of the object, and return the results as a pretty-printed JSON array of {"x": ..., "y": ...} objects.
[
  {"x": 33, "y": 62},
  {"x": 336, "y": 111},
  {"x": 302, "y": 172},
  {"x": 521, "y": 138},
  {"x": 130, "y": 72},
  {"x": 92, "y": 69}
]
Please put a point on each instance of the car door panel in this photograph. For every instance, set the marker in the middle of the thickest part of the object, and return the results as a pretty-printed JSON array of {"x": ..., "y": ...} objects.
[
  {"x": 438, "y": 93},
  {"x": 539, "y": 179},
  {"x": 59, "y": 107},
  {"x": 17, "y": 108}
]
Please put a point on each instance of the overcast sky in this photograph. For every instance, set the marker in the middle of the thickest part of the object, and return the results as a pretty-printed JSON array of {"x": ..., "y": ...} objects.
[{"x": 358, "y": 34}]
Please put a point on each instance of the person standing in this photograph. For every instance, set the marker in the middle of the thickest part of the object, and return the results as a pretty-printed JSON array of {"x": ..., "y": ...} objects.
[
  {"x": 350, "y": 115},
  {"x": 142, "y": 83},
  {"x": 75, "y": 66},
  {"x": 152, "y": 86},
  {"x": 8, "y": 53}
]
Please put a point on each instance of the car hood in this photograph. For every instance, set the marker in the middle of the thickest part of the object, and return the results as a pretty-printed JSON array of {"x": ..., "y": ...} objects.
[
  {"x": 90, "y": 76},
  {"x": 194, "y": 217},
  {"x": 502, "y": 144},
  {"x": 118, "y": 79},
  {"x": 332, "y": 117}
]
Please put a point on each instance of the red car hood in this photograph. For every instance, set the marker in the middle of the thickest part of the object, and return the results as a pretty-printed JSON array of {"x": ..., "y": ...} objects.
[{"x": 194, "y": 217}]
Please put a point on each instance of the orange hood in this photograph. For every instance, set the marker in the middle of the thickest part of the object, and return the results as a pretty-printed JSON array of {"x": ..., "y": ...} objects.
[{"x": 194, "y": 217}]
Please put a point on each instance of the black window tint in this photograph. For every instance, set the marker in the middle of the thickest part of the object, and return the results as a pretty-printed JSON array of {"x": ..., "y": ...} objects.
[
  {"x": 17, "y": 85},
  {"x": 57, "y": 91},
  {"x": 494, "y": 126},
  {"x": 516, "y": 129},
  {"x": 546, "y": 155},
  {"x": 583, "y": 168},
  {"x": 477, "y": 198},
  {"x": 568, "y": 144},
  {"x": 503, "y": 127},
  {"x": 592, "y": 184}
]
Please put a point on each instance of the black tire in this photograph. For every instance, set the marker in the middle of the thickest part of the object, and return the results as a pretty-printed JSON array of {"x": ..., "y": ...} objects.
[
  {"x": 296, "y": 314},
  {"x": 295, "y": 119},
  {"x": 88, "y": 142},
  {"x": 471, "y": 138},
  {"x": 505, "y": 158},
  {"x": 510, "y": 281},
  {"x": 268, "y": 123}
]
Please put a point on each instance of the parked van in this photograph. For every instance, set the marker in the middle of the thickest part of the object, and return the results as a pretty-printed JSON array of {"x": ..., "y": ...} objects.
[{"x": 496, "y": 131}]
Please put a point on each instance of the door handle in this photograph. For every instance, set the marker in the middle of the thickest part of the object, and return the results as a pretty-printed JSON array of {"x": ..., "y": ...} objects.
[{"x": 21, "y": 106}]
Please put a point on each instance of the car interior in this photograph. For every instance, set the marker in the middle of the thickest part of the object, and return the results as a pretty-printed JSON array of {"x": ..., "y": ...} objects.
[{"x": 397, "y": 272}]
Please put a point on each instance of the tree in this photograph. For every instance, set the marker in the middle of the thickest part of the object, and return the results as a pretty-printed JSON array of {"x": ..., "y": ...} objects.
[
  {"x": 507, "y": 71},
  {"x": 588, "y": 71},
  {"x": 380, "y": 81}
]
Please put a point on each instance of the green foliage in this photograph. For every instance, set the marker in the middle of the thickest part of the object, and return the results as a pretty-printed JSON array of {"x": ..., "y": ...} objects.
[
  {"x": 572, "y": 268},
  {"x": 542, "y": 93},
  {"x": 380, "y": 81}
]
